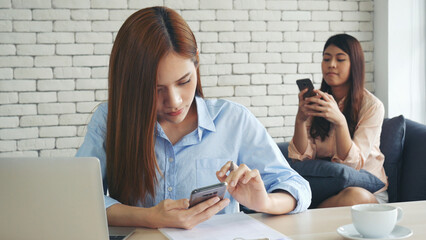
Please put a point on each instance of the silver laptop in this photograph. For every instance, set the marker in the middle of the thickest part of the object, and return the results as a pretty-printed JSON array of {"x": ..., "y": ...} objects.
[{"x": 51, "y": 198}]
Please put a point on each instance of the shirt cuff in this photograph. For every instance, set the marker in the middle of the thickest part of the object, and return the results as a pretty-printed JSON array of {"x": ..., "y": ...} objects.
[
  {"x": 109, "y": 201},
  {"x": 293, "y": 153},
  {"x": 354, "y": 158},
  {"x": 299, "y": 190}
]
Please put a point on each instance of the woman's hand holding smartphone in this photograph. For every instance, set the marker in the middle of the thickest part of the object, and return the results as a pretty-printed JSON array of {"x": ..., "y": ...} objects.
[
  {"x": 202, "y": 194},
  {"x": 317, "y": 103},
  {"x": 177, "y": 214}
]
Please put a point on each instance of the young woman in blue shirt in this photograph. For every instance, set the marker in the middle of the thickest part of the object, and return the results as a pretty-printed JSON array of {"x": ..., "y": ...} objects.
[{"x": 157, "y": 139}]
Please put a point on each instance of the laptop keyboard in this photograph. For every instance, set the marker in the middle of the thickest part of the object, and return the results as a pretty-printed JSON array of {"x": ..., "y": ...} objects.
[{"x": 116, "y": 237}]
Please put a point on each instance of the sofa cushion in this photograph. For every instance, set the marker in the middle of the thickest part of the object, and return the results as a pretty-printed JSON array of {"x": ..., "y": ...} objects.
[
  {"x": 392, "y": 145},
  {"x": 413, "y": 181},
  {"x": 328, "y": 178}
]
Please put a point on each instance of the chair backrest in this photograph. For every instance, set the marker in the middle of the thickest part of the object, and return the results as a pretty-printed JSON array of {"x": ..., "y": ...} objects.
[
  {"x": 413, "y": 171},
  {"x": 283, "y": 146},
  {"x": 392, "y": 146}
]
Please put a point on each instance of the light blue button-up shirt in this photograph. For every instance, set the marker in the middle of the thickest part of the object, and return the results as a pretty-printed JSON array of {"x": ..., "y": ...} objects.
[{"x": 226, "y": 131}]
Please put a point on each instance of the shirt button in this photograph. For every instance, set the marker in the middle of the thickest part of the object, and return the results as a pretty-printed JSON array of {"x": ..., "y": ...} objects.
[
  {"x": 170, "y": 189},
  {"x": 170, "y": 159}
]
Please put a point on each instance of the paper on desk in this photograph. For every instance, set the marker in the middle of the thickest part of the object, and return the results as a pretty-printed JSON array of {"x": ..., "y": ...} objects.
[{"x": 226, "y": 226}]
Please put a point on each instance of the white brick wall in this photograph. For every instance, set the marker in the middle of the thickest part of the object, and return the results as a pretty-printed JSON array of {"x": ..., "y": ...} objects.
[{"x": 54, "y": 60}]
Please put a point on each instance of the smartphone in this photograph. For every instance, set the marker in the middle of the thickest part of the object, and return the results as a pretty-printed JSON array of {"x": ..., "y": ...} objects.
[
  {"x": 202, "y": 194},
  {"x": 306, "y": 83}
]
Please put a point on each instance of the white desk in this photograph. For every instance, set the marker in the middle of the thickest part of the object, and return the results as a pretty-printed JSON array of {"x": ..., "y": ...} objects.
[{"x": 318, "y": 224}]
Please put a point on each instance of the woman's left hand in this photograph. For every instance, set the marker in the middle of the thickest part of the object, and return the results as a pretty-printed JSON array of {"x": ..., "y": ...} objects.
[
  {"x": 245, "y": 185},
  {"x": 325, "y": 107}
]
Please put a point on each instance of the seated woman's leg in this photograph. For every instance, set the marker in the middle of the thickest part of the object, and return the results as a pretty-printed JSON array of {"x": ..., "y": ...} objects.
[{"x": 348, "y": 197}]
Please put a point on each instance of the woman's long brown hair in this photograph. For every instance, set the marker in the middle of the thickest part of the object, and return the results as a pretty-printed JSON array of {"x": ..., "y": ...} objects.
[
  {"x": 144, "y": 38},
  {"x": 320, "y": 126}
]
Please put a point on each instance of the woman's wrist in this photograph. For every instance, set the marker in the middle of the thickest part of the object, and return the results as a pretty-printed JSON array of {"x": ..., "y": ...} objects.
[
  {"x": 150, "y": 218},
  {"x": 341, "y": 122},
  {"x": 267, "y": 205},
  {"x": 124, "y": 215},
  {"x": 279, "y": 202},
  {"x": 145, "y": 217},
  {"x": 300, "y": 119}
]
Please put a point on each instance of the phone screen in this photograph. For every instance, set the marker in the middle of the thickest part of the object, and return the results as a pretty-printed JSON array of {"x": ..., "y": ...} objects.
[{"x": 202, "y": 194}]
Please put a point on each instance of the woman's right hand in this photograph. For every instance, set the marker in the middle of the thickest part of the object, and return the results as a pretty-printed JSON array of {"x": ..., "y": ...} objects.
[{"x": 175, "y": 213}]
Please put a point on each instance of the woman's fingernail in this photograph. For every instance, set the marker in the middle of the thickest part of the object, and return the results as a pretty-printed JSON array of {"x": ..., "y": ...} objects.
[{"x": 220, "y": 174}]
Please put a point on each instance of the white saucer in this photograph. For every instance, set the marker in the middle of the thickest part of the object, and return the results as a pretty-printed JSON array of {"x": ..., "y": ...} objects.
[{"x": 349, "y": 232}]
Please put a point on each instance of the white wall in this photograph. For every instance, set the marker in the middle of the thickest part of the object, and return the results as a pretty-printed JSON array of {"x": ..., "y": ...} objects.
[
  {"x": 399, "y": 41},
  {"x": 54, "y": 60},
  {"x": 381, "y": 66}
]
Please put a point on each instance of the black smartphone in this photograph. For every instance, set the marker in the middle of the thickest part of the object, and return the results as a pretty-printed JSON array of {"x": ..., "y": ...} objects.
[
  {"x": 306, "y": 83},
  {"x": 202, "y": 194}
]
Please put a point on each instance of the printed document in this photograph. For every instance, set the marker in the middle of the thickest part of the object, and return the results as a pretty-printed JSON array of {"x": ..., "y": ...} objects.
[{"x": 226, "y": 226}]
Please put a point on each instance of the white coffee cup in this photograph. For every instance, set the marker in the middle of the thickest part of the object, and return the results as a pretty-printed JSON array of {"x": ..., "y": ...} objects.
[{"x": 375, "y": 220}]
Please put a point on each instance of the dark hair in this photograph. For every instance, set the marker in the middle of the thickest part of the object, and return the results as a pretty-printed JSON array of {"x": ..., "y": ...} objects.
[
  {"x": 320, "y": 126},
  {"x": 145, "y": 37}
]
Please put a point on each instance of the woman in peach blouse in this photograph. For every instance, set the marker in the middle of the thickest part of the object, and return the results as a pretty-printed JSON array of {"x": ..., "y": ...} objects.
[{"x": 343, "y": 121}]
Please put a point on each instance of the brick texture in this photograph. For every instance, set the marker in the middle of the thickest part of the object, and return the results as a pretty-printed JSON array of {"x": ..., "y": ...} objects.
[{"x": 54, "y": 57}]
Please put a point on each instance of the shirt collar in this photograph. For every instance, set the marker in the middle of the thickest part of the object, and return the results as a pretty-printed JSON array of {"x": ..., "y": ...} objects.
[{"x": 205, "y": 121}]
